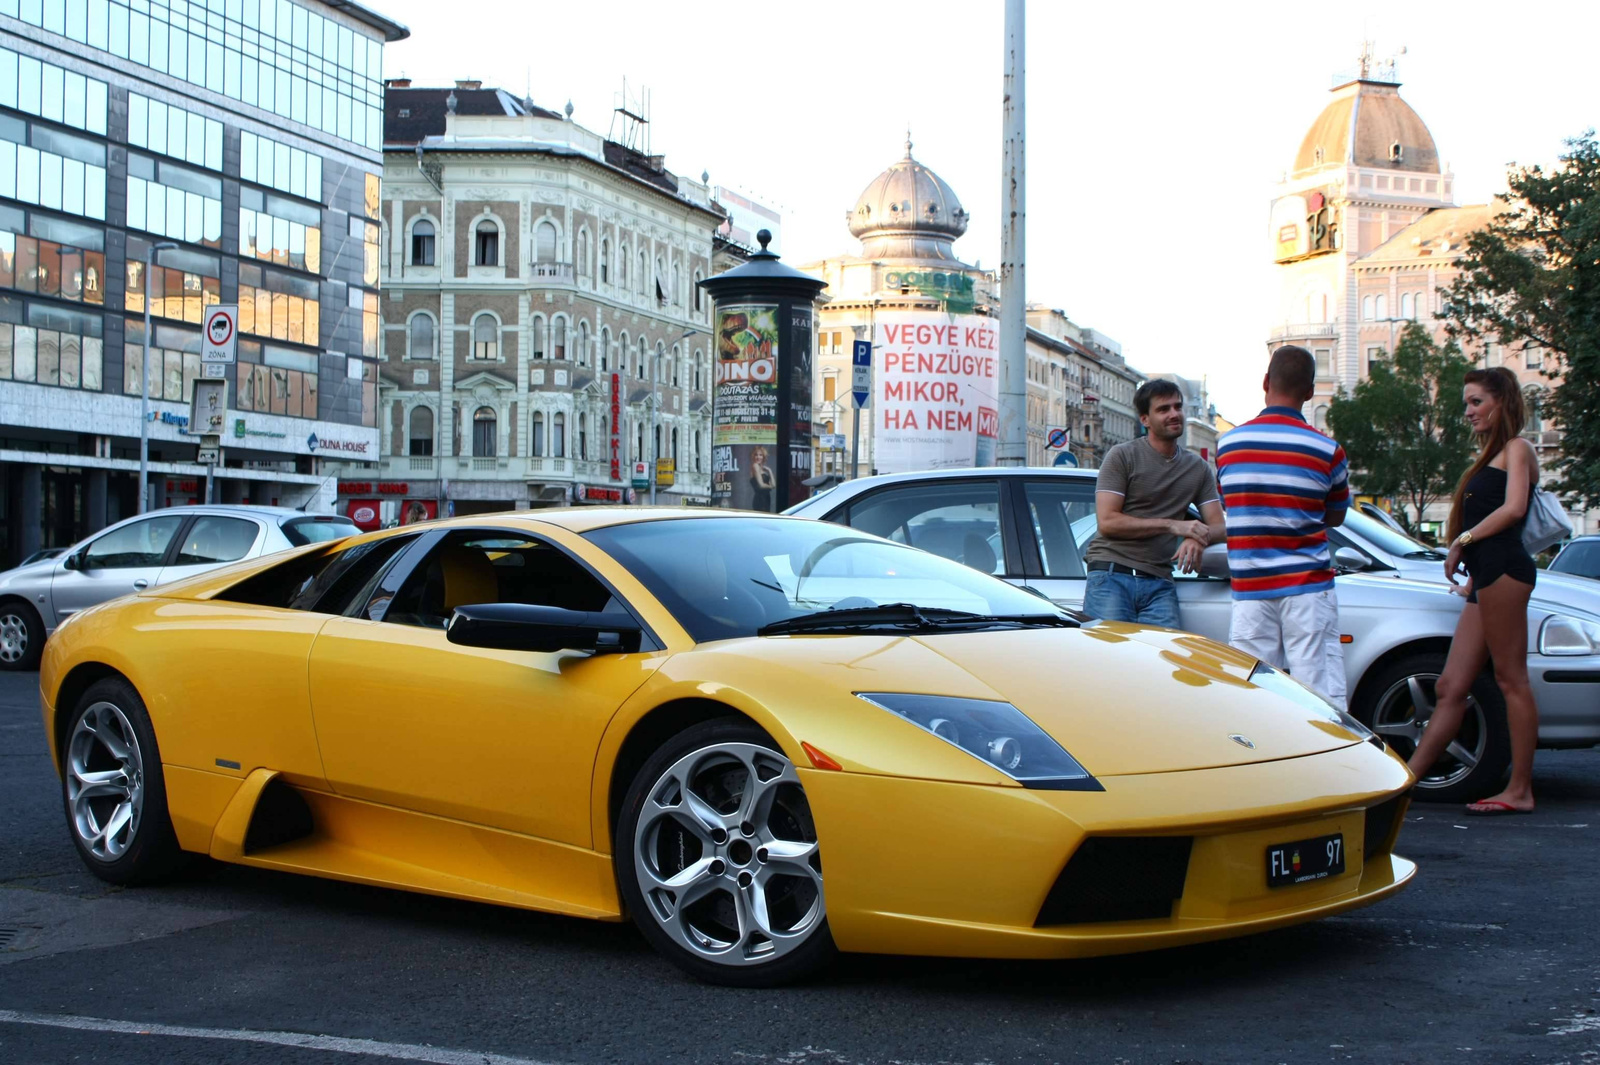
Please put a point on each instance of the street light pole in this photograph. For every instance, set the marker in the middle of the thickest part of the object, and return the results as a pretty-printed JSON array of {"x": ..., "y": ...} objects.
[
  {"x": 1013, "y": 442},
  {"x": 144, "y": 391}
]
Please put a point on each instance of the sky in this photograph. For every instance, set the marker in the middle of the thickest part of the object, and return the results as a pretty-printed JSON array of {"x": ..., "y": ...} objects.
[{"x": 1155, "y": 131}]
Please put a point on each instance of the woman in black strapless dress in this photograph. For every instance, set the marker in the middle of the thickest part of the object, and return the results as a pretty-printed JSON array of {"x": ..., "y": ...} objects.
[{"x": 1486, "y": 519}]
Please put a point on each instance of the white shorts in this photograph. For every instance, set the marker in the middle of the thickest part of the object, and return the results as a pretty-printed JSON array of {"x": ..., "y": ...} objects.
[{"x": 1299, "y": 633}]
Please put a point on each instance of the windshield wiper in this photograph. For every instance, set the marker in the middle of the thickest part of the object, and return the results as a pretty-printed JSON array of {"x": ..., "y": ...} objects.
[{"x": 905, "y": 617}]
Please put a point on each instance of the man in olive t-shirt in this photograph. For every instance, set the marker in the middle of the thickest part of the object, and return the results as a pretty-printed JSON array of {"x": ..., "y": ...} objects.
[{"x": 1142, "y": 498}]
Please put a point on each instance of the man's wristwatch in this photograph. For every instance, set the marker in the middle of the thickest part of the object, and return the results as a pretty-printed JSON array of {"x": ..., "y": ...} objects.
[{"x": 1464, "y": 539}]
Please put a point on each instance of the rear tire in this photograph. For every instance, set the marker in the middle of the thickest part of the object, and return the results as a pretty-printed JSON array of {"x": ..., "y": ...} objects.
[
  {"x": 21, "y": 636},
  {"x": 723, "y": 879},
  {"x": 1475, "y": 764},
  {"x": 113, "y": 789}
]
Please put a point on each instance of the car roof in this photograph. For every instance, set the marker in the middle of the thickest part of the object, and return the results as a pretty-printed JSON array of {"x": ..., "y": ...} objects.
[
  {"x": 584, "y": 519},
  {"x": 280, "y": 514}
]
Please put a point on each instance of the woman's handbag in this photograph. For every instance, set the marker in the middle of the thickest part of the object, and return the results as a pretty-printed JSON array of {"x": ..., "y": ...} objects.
[{"x": 1546, "y": 523}]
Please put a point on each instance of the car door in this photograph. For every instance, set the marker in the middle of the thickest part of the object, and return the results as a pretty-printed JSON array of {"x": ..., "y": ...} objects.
[
  {"x": 125, "y": 559},
  {"x": 212, "y": 540},
  {"x": 500, "y": 738},
  {"x": 962, "y": 520},
  {"x": 1056, "y": 516}
]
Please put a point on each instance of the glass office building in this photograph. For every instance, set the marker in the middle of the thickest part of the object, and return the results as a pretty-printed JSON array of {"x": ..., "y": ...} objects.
[{"x": 247, "y": 133}]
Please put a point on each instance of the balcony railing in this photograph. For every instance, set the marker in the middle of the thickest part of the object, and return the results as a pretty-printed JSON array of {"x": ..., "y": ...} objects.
[
  {"x": 421, "y": 463},
  {"x": 1306, "y": 331},
  {"x": 552, "y": 271}
]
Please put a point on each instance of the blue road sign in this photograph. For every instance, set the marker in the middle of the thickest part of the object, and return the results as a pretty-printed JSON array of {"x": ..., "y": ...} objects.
[
  {"x": 1066, "y": 458},
  {"x": 861, "y": 375}
]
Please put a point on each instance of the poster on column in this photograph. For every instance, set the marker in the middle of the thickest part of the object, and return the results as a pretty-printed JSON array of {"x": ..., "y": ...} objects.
[
  {"x": 935, "y": 391},
  {"x": 745, "y": 407}
]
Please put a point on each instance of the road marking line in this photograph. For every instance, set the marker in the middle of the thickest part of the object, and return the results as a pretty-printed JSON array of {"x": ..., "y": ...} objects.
[{"x": 298, "y": 1040}]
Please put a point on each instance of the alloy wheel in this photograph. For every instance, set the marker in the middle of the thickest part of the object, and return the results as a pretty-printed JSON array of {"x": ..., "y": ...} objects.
[
  {"x": 726, "y": 855},
  {"x": 13, "y": 637},
  {"x": 105, "y": 781},
  {"x": 1402, "y": 715}
]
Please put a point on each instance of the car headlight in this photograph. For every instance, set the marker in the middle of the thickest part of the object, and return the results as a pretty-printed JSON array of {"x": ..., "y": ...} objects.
[
  {"x": 1561, "y": 635},
  {"x": 993, "y": 732},
  {"x": 1265, "y": 676}
]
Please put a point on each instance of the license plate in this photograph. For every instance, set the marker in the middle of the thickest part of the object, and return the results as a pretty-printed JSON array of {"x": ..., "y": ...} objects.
[{"x": 1305, "y": 860}]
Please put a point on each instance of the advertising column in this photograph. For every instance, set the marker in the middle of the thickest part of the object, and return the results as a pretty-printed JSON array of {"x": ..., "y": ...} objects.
[{"x": 745, "y": 429}]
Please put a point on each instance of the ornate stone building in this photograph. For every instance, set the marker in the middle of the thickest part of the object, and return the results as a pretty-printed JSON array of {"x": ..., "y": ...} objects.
[{"x": 540, "y": 298}]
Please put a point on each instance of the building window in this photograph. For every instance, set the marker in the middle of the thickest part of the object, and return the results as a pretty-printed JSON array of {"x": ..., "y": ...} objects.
[
  {"x": 697, "y": 451},
  {"x": 827, "y": 389},
  {"x": 68, "y": 270},
  {"x": 69, "y": 357},
  {"x": 1382, "y": 304},
  {"x": 583, "y": 343},
  {"x": 674, "y": 449},
  {"x": 605, "y": 350},
  {"x": 266, "y": 162},
  {"x": 536, "y": 445},
  {"x": 639, "y": 277},
  {"x": 1319, "y": 418},
  {"x": 697, "y": 290},
  {"x": 485, "y": 337},
  {"x": 1421, "y": 304},
  {"x": 421, "y": 431},
  {"x": 698, "y": 384},
  {"x": 273, "y": 229},
  {"x": 1408, "y": 307},
  {"x": 605, "y": 261},
  {"x": 676, "y": 295},
  {"x": 281, "y": 306},
  {"x": 583, "y": 437},
  {"x": 483, "y": 432},
  {"x": 558, "y": 338},
  {"x": 672, "y": 367},
  {"x": 1374, "y": 355},
  {"x": 644, "y": 355},
  {"x": 622, "y": 265},
  {"x": 1397, "y": 154},
  {"x": 1366, "y": 308},
  {"x": 1324, "y": 357},
  {"x": 422, "y": 244},
  {"x": 544, "y": 243},
  {"x": 1532, "y": 357},
  {"x": 487, "y": 244},
  {"x": 558, "y": 436},
  {"x": 371, "y": 323},
  {"x": 421, "y": 336},
  {"x": 583, "y": 252}
]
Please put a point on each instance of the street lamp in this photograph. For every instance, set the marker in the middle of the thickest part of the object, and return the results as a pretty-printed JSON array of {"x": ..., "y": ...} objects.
[
  {"x": 144, "y": 391},
  {"x": 655, "y": 407}
]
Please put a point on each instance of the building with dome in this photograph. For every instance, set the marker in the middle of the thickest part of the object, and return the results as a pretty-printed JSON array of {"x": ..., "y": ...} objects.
[
  {"x": 1366, "y": 234},
  {"x": 907, "y": 281}
]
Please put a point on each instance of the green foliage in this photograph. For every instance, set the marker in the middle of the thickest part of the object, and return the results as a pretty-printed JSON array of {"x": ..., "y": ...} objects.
[
  {"x": 1403, "y": 430},
  {"x": 1532, "y": 281}
]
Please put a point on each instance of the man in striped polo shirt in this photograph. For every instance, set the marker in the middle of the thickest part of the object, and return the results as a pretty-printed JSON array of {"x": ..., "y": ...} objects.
[{"x": 1284, "y": 484}]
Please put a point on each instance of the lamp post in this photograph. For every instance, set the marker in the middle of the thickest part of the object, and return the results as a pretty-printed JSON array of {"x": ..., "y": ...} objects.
[
  {"x": 655, "y": 407},
  {"x": 144, "y": 390}
]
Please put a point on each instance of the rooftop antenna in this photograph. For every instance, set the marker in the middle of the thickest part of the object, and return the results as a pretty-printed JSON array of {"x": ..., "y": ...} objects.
[
  {"x": 1364, "y": 60},
  {"x": 630, "y": 121}
]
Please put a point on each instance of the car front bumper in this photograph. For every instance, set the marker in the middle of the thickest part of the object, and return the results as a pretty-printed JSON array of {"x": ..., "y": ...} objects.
[
  {"x": 1566, "y": 690},
  {"x": 958, "y": 870}
]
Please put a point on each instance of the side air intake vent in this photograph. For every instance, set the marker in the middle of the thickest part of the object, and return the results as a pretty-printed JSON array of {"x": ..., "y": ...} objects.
[
  {"x": 1119, "y": 878},
  {"x": 281, "y": 816}
]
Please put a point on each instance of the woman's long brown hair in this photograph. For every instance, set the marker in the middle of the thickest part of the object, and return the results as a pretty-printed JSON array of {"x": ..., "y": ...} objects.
[{"x": 1503, "y": 385}]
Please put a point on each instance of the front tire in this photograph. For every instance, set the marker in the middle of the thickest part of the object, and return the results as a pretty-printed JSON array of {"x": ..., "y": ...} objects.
[
  {"x": 114, "y": 792},
  {"x": 21, "y": 636},
  {"x": 718, "y": 861},
  {"x": 1397, "y": 705}
]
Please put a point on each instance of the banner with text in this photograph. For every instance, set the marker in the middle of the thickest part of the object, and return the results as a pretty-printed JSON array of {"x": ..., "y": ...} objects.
[
  {"x": 745, "y": 408},
  {"x": 935, "y": 391}
]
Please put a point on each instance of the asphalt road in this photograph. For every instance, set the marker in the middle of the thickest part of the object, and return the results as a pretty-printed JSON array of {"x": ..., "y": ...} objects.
[{"x": 1491, "y": 956}]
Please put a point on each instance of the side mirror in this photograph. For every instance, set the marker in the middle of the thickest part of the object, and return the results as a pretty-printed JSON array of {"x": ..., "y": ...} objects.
[
  {"x": 520, "y": 627},
  {"x": 1214, "y": 561},
  {"x": 73, "y": 560},
  {"x": 1350, "y": 560}
]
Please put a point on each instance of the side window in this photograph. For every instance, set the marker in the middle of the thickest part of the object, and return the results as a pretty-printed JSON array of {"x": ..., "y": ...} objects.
[
  {"x": 144, "y": 543},
  {"x": 958, "y": 521},
  {"x": 215, "y": 539},
  {"x": 1062, "y": 513},
  {"x": 330, "y": 589},
  {"x": 472, "y": 567}
]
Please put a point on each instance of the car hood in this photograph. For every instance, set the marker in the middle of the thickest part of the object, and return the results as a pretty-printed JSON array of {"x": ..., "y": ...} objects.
[
  {"x": 31, "y": 572},
  {"x": 1121, "y": 699},
  {"x": 1553, "y": 593}
]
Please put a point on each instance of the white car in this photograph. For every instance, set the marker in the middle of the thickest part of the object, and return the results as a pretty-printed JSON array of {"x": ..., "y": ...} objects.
[
  {"x": 1031, "y": 525},
  {"x": 138, "y": 553}
]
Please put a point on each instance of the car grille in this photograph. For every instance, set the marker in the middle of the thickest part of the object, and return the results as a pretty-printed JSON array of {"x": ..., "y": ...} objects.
[
  {"x": 1379, "y": 833},
  {"x": 1119, "y": 878}
]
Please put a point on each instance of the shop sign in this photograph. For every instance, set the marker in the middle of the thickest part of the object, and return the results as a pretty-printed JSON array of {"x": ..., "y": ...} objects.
[
  {"x": 329, "y": 444},
  {"x": 666, "y": 469},
  {"x": 367, "y": 488},
  {"x": 589, "y": 493},
  {"x": 616, "y": 427},
  {"x": 641, "y": 475},
  {"x": 242, "y": 429},
  {"x": 168, "y": 418},
  {"x": 956, "y": 290},
  {"x": 364, "y": 513}
]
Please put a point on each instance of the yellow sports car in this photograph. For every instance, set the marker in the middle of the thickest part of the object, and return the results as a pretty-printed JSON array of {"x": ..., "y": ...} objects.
[{"x": 765, "y": 739}]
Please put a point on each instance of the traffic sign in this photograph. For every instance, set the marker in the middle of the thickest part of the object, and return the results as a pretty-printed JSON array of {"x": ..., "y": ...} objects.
[
  {"x": 1066, "y": 458},
  {"x": 861, "y": 376},
  {"x": 209, "y": 456},
  {"x": 1058, "y": 438},
  {"x": 208, "y": 407},
  {"x": 219, "y": 338}
]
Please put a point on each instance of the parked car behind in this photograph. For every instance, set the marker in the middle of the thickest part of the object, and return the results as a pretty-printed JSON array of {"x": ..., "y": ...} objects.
[
  {"x": 138, "y": 553},
  {"x": 1579, "y": 558},
  {"x": 1034, "y": 523}
]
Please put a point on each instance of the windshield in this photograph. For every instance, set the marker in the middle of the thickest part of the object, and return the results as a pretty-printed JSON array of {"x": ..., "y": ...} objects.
[
  {"x": 728, "y": 577},
  {"x": 1381, "y": 536},
  {"x": 302, "y": 531},
  {"x": 1581, "y": 557}
]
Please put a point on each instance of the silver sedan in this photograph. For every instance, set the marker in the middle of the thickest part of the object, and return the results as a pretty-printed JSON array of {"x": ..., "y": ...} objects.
[
  {"x": 1031, "y": 525},
  {"x": 138, "y": 553}
]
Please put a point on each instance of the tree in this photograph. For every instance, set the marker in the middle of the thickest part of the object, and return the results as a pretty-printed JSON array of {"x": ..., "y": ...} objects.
[
  {"x": 1531, "y": 280},
  {"x": 1403, "y": 431}
]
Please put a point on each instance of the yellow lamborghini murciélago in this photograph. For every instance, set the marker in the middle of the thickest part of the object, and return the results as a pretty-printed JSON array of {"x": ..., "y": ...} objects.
[{"x": 765, "y": 739}]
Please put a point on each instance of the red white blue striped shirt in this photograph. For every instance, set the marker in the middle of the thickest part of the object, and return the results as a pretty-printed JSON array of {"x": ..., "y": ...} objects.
[{"x": 1280, "y": 478}]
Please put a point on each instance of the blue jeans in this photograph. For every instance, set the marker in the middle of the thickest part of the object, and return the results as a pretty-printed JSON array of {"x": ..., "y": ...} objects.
[{"x": 1123, "y": 597}]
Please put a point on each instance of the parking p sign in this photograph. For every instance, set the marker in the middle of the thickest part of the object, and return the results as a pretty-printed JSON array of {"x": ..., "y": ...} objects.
[{"x": 220, "y": 334}]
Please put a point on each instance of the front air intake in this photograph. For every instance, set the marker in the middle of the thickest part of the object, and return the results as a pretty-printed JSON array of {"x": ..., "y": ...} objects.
[
  {"x": 1381, "y": 827},
  {"x": 1119, "y": 878}
]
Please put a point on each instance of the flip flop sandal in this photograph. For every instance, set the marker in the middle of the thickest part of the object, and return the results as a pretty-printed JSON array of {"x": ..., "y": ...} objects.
[{"x": 1493, "y": 808}]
